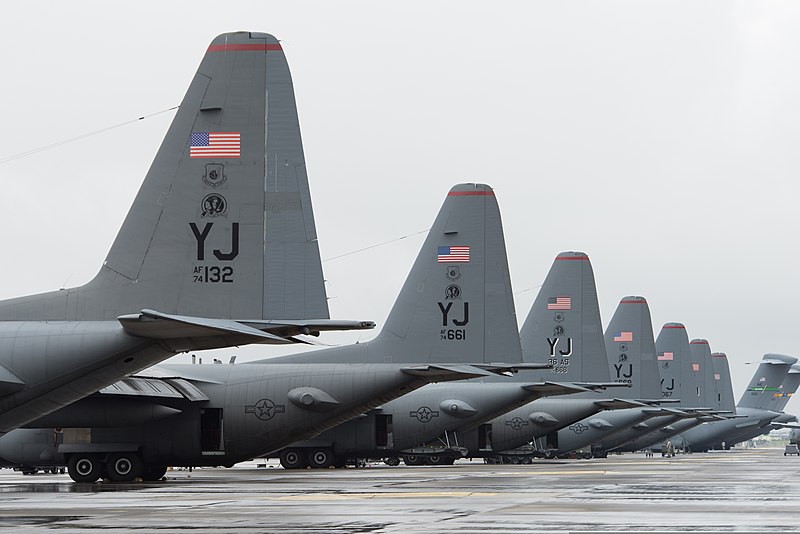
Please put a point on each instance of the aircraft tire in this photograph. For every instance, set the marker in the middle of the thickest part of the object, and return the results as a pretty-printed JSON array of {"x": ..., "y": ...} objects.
[
  {"x": 413, "y": 460},
  {"x": 293, "y": 459},
  {"x": 320, "y": 458},
  {"x": 123, "y": 466},
  {"x": 151, "y": 473},
  {"x": 393, "y": 461},
  {"x": 84, "y": 467}
]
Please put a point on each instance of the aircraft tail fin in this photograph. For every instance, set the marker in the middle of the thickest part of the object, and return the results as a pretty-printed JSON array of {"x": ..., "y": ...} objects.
[
  {"x": 563, "y": 326},
  {"x": 632, "y": 349},
  {"x": 222, "y": 226},
  {"x": 723, "y": 388},
  {"x": 702, "y": 371},
  {"x": 787, "y": 389},
  {"x": 675, "y": 365},
  {"x": 770, "y": 374},
  {"x": 456, "y": 304}
]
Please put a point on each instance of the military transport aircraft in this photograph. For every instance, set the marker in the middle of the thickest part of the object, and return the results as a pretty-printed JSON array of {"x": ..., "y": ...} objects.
[
  {"x": 196, "y": 415},
  {"x": 682, "y": 381},
  {"x": 751, "y": 409},
  {"x": 563, "y": 325},
  {"x": 434, "y": 412},
  {"x": 702, "y": 364},
  {"x": 204, "y": 256}
]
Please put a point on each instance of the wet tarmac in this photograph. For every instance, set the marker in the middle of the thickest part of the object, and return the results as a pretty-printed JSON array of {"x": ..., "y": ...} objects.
[{"x": 739, "y": 490}]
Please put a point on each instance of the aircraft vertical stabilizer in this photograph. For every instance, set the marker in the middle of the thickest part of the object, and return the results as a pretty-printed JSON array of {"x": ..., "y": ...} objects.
[
  {"x": 456, "y": 305},
  {"x": 222, "y": 226},
  {"x": 702, "y": 371},
  {"x": 563, "y": 326},
  {"x": 632, "y": 349},
  {"x": 784, "y": 394},
  {"x": 722, "y": 383},
  {"x": 771, "y": 372},
  {"x": 675, "y": 365}
]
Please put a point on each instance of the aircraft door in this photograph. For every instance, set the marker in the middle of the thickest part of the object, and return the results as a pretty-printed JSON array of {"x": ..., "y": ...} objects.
[
  {"x": 485, "y": 437},
  {"x": 384, "y": 438},
  {"x": 552, "y": 440},
  {"x": 211, "y": 431}
]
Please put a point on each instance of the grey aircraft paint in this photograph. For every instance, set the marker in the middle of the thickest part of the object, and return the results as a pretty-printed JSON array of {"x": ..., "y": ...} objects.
[
  {"x": 751, "y": 408},
  {"x": 776, "y": 403},
  {"x": 270, "y": 404},
  {"x": 221, "y": 231},
  {"x": 631, "y": 356},
  {"x": 563, "y": 324},
  {"x": 666, "y": 427},
  {"x": 435, "y": 411}
]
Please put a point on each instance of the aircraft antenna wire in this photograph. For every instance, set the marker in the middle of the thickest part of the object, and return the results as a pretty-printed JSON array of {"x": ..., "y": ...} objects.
[
  {"x": 82, "y": 136},
  {"x": 375, "y": 245}
]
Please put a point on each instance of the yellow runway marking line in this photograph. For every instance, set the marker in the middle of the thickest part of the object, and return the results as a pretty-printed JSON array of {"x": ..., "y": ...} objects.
[
  {"x": 385, "y": 495},
  {"x": 533, "y": 472}
]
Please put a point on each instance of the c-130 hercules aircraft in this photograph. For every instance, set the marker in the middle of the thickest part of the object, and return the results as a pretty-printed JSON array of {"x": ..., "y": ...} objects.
[{"x": 218, "y": 249}]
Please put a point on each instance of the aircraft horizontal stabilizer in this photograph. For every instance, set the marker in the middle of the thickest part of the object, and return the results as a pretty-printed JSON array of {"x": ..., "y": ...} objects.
[
  {"x": 595, "y": 386},
  {"x": 618, "y": 404},
  {"x": 446, "y": 372},
  {"x": 155, "y": 325},
  {"x": 309, "y": 327},
  {"x": 555, "y": 388},
  {"x": 665, "y": 411},
  {"x": 508, "y": 369}
]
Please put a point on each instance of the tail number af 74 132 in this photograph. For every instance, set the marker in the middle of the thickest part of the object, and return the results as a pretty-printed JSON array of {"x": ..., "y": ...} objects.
[{"x": 212, "y": 274}]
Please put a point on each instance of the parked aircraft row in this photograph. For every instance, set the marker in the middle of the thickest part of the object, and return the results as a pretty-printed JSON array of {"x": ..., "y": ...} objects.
[{"x": 219, "y": 249}]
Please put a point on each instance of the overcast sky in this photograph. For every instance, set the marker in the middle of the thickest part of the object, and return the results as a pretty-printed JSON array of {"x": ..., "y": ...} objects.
[{"x": 661, "y": 138}]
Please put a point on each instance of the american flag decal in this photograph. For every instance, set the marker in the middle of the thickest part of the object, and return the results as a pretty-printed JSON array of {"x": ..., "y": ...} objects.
[
  {"x": 666, "y": 356},
  {"x": 695, "y": 367},
  {"x": 453, "y": 254},
  {"x": 215, "y": 145},
  {"x": 559, "y": 303},
  {"x": 623, "y": 336}
]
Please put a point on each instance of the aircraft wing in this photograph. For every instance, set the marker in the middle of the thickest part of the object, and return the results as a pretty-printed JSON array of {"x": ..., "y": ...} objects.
[{"x": 171, "y": 388}]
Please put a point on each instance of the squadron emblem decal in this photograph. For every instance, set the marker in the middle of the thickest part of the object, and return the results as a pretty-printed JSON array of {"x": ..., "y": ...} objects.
[
  {"x": 265, "y": 409},
  {"x": 214, "y": 205},
  {"x": 452, "y": 292},
  {"x": 453, "y": 272},
  {"x": 215, "y": 174}
]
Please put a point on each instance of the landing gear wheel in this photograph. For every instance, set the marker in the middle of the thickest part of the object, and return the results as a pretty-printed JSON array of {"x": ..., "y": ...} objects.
[
  {"x": 293, "y": 459},
  {"x": 413, "y": 460},
  {"x": 85, "y": 467},
  {"x": 320, "y": 458},
  {"x": 123, "y": 466},
  {"x": 151, "y": 473},
  {"x": 393, "y": 461}
]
